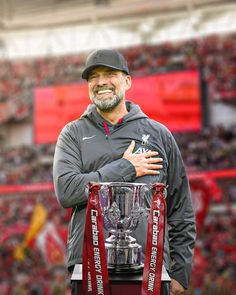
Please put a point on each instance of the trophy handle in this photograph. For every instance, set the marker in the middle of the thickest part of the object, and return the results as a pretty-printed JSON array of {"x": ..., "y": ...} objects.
[
  {"x": 93, "y": 186},
  {"x": 158, "y": 187}
]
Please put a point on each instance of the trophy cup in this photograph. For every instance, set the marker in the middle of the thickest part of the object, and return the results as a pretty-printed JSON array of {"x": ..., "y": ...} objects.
[
  {"x": 118, "y": 207},
  {"x": 122, "y": 205}
]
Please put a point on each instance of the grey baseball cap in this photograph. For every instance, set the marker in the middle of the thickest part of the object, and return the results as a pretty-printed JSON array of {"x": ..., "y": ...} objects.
[{"x": 107, "y": 58}]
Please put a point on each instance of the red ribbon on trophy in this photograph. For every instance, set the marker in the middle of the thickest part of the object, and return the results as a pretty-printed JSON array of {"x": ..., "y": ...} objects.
[
  {"x": 95, "y": 273},
  {"x": 151, "y": 284}
]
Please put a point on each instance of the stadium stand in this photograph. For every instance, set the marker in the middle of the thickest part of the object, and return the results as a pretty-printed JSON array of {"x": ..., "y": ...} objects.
[
  {"x": 215, "y": 54},
  {"x": 214, "y": 149}
]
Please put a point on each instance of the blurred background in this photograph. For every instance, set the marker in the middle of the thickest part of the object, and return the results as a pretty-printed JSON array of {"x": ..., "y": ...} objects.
[{"x": 182, "y": 57}]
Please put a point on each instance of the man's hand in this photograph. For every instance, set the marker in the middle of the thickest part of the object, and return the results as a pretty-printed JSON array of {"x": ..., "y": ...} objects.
[
  {"x": 176, "y": 288},
  {"x": 144, "y": 163}
]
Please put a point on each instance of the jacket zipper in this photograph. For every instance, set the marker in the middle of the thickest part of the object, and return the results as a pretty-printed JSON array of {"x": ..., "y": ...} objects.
[{"x": 106, "y": 128}]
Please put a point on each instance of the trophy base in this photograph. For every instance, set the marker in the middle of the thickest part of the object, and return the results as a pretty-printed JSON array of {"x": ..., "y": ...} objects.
[
  {"x": 124, "y": 269},
  {"x": 123, "y": 256}
]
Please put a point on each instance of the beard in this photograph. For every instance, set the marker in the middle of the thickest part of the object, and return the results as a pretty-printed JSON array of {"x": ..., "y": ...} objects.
[{"x": 107, "y": 105}]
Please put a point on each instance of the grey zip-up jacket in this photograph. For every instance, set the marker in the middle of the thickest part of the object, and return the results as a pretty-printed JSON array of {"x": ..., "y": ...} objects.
[{"x": 91, "y": 149}]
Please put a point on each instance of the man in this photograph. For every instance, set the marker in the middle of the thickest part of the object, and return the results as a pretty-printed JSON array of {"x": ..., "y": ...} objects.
[{"x": 114, "y": 141}]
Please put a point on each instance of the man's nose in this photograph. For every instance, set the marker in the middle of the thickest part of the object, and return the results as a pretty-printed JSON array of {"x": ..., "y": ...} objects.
[{"x": 102, "y": 80}]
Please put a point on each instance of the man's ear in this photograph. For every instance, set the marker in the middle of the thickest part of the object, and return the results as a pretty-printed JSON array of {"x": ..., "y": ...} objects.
[{"x": 128, "y": 80}]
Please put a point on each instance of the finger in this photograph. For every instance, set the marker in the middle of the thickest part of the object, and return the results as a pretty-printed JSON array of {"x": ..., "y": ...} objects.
[
  {"x": 154, "y": 160},
  {"x": 131, "y": 147},
  {"x": 154, "y": 166},
  {"x": 152, "y": 172},
  {"x": 150, "y": 154}
]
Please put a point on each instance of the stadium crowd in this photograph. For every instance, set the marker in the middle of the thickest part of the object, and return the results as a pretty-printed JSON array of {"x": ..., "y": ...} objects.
[
  {"x": 26, "y": 164},
  {"x": 215, "y": 54},
  {"x": 211, "y": 149},
  {"x": 214, "y": 267},
  {"x": 208, "y": 150}
]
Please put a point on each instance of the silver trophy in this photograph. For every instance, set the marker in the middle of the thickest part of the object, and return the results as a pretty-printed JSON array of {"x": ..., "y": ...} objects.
[{"x": 122, "y": 206}]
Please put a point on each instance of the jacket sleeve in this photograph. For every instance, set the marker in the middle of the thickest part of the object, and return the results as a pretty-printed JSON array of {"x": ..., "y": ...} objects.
[
  {"x": 180, "y": 217},
  {"x": 68, "y": 177}
]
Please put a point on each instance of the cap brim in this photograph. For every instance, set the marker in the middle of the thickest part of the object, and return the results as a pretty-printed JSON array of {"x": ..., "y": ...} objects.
[{"x": 86, "y": 72}]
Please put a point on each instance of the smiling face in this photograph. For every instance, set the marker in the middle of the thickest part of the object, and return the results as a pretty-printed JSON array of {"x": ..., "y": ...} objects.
[{"x": 107, "y": 87}]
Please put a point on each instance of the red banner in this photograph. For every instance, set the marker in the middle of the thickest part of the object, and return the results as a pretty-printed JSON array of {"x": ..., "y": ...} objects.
[
  {"x": 95, "y": 273},
  {"x": 170, "y": 98},
  {"x": 52, "y": 245},
  {"x": 24, "y": 188},
  {"x": 151, "y": 284}
]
